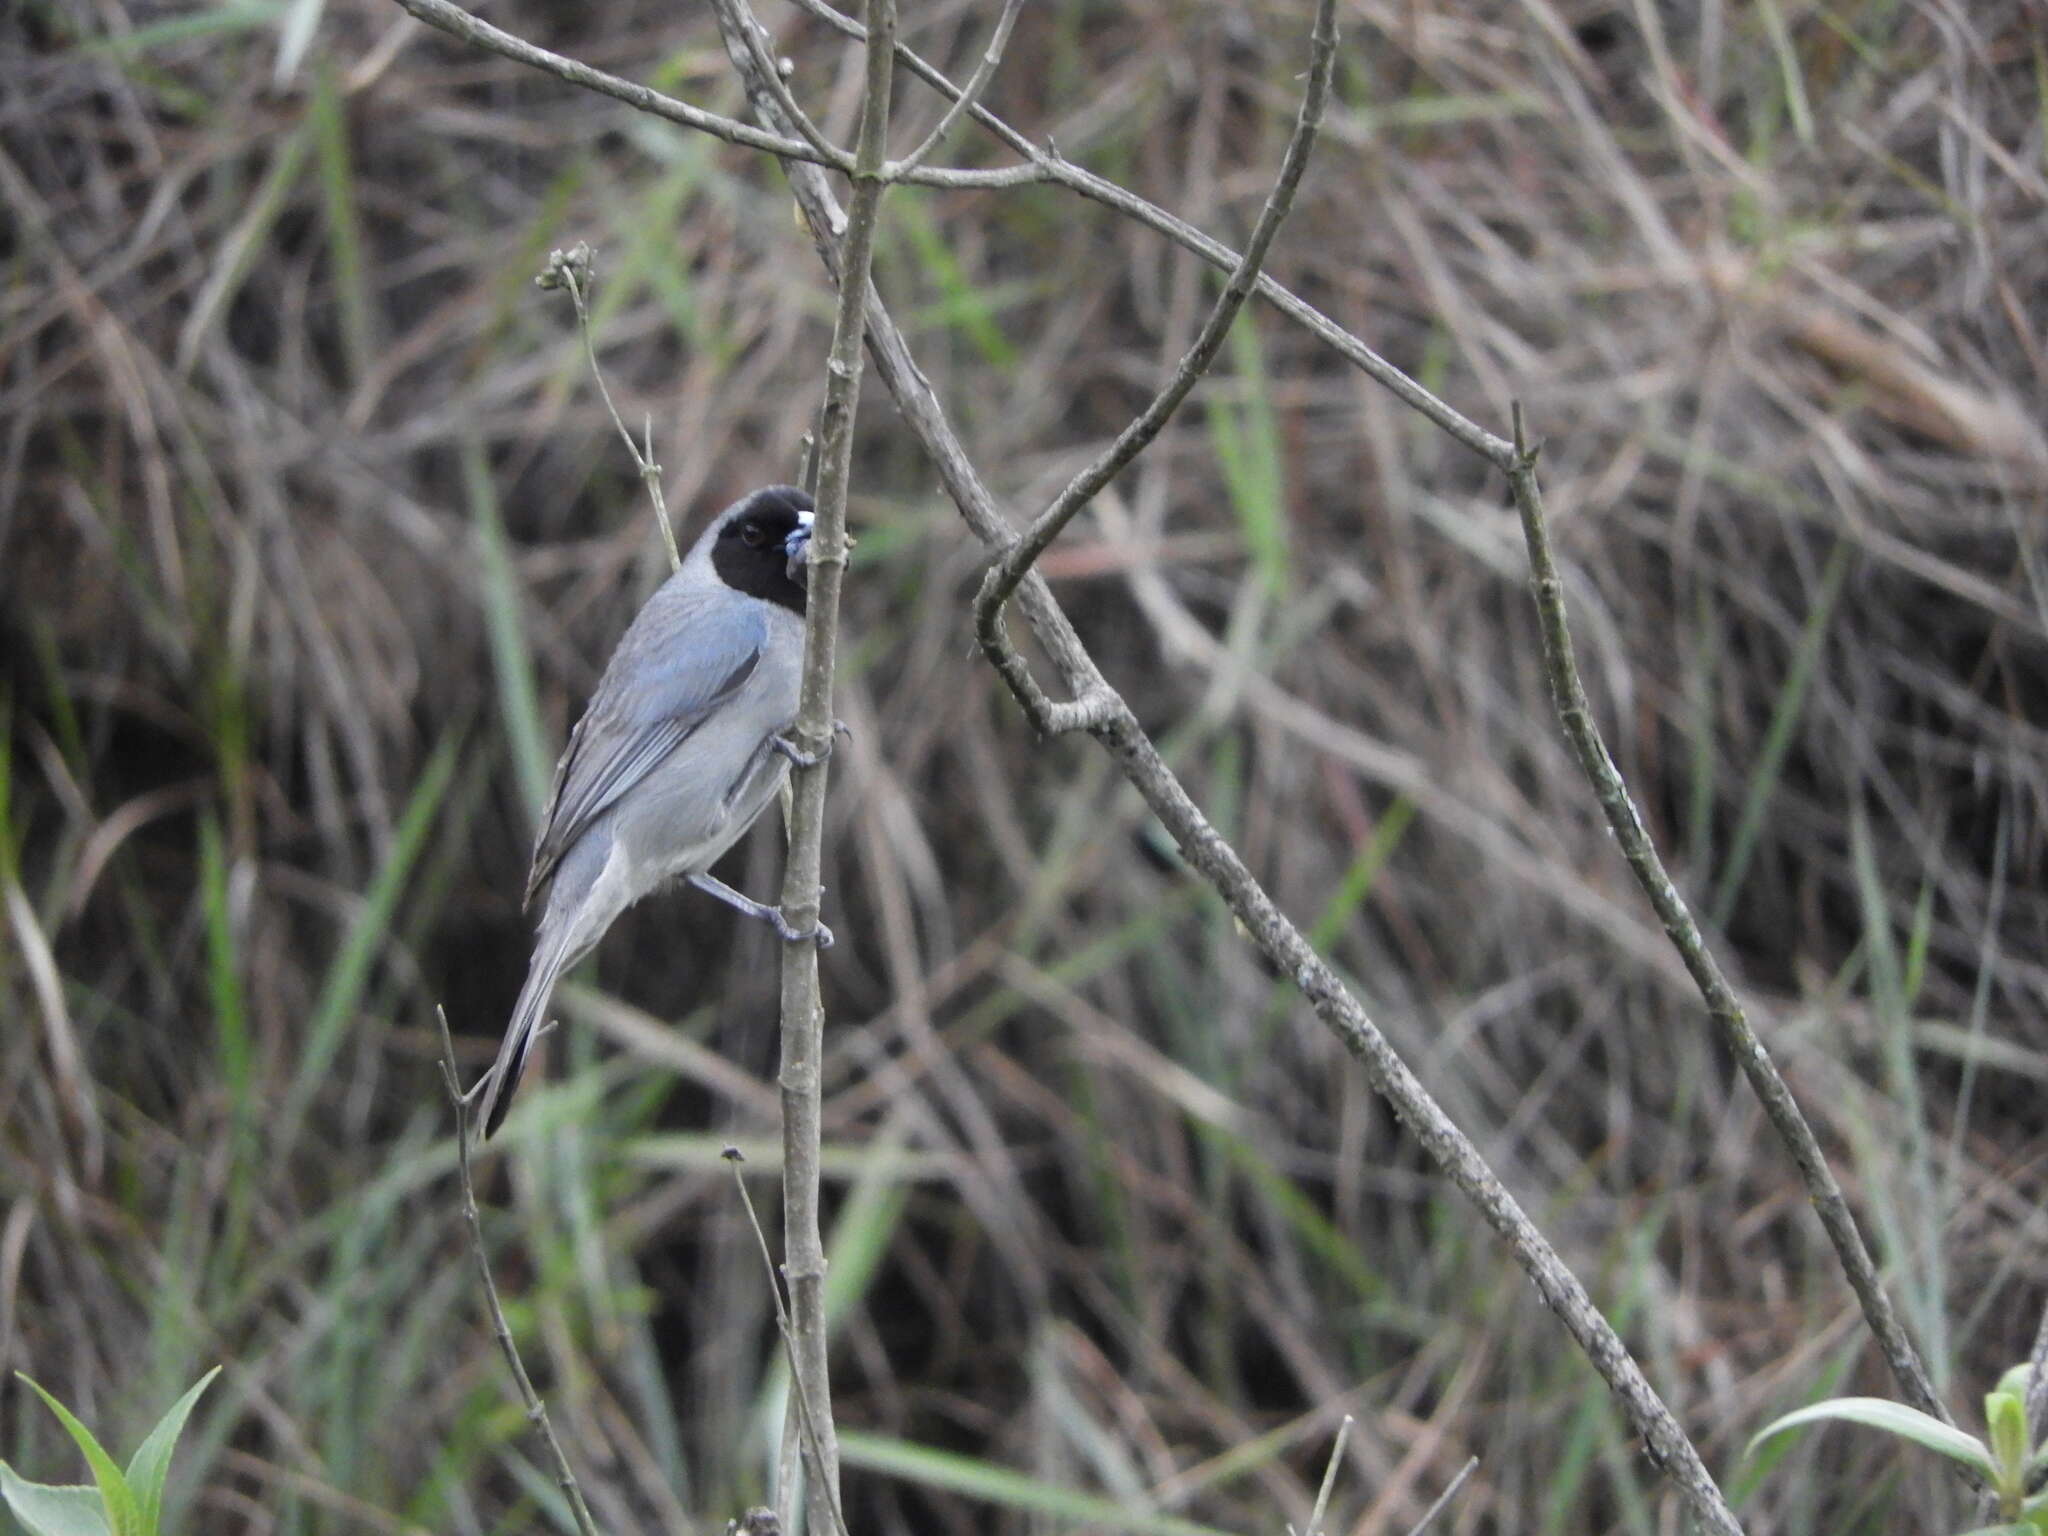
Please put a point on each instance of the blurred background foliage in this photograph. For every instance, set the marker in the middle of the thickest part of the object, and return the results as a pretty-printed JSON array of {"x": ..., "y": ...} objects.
[{"x": 313, "y": 537}]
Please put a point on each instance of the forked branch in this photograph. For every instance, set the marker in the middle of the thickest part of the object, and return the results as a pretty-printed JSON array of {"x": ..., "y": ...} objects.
[
  {"x": 1018, "y": 558},
  {"x": 1112, "y": 723}
]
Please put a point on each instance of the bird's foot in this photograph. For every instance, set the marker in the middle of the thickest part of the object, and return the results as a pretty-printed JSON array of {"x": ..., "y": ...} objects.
[
  {"x": 799, "y": 756},
  {"x": 817, "y": 933}
]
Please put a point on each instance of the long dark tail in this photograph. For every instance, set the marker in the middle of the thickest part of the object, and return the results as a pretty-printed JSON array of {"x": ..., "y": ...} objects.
[{"x": 550, "y": 959}]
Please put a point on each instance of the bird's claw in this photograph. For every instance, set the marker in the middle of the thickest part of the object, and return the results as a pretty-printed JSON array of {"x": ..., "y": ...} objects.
[
  {"x": 803, "y": 759},
  {"x": 817, "y": 933}
]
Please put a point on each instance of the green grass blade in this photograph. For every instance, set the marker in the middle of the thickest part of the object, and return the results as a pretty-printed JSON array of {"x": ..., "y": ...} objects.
[
  {"x": 350, "y": 971},
  {"x": 518, "y": 696},
  {"x": 1246, "y": 440},
  {"x": 1000, "y": 1485},
  {"x": 328, "y": 120},
  {"x": 964, "y": 304},
  {"x": 1777, "y": 742},
  {"x": 247, "y": 241}
]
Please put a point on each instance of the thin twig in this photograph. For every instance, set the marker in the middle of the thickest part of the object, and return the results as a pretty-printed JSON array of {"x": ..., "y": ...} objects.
[
  {"x": 445, "y": 16},
  {"x": 572, "y": 270},
  {"x": 1322, "y": 1504},
  {"x": 1050, "y": 166},
  {"x": 1443, "y": 1499},
  {"x": 536, "y": 1410},
  {"x": 1043, "y": 165},
  {"x": 1004, "y": 575},
  {"x": 782, "y": 1323},
  {"x": 1575, "y": 712},
  {"x": 964, "y": 101},
  {"x": 768, "y": 69}
]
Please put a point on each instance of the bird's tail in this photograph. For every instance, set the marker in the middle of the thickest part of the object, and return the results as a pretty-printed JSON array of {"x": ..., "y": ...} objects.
[{"x": 550, "y": 958}]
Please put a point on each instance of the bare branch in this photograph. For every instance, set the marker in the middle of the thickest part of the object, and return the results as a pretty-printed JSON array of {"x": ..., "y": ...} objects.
[
  {"x": 768, "y": 70},
  {"x": 536, "y": 1410},
  {"x": 802, "y": 1012},
  {"x": 447, "y": 17},
  {"x": 1112, "y": 723},
  {"x": 571, "y": 269},
  {"x": 1575, "y": 712},
  {"x": 1004, "y": 575},
  {"x": 963, "y": 102},
  {"x": 782, "y": 1323},
  {"x": 1046, "y": 165}
]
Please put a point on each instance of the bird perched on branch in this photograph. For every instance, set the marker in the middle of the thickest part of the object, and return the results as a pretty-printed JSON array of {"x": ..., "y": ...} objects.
[{"x": 679, "y": 750}]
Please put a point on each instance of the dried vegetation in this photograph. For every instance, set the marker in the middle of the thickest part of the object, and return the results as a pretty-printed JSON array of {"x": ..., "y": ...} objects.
[{"x": 312, "y": 538}]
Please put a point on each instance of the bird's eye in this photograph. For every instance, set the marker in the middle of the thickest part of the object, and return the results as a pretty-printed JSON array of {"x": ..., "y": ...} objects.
[{"x": 752, "y": 536}]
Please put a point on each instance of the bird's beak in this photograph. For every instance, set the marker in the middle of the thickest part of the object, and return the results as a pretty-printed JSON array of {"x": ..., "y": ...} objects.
[{"x": 798, "y": 547}]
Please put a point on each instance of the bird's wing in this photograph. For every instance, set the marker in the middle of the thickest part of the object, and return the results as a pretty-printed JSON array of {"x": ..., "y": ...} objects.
[{"x": 680, "y": 659}]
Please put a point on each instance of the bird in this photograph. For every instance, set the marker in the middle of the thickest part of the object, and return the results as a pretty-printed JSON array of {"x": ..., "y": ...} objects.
[{"x": 681, "y": 747}]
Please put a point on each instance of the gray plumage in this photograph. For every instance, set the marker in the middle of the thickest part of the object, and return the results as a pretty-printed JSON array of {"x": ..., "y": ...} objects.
[{"x": 676, "y": 753}]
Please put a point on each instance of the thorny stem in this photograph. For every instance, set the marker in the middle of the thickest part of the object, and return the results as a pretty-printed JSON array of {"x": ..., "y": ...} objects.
[
  {"x": 536, "y": 1410},
  {"x": 1575, "y": 713}
]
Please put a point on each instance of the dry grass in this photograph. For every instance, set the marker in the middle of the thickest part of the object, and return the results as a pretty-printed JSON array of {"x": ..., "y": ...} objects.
[{"x": 312, "y": 538}]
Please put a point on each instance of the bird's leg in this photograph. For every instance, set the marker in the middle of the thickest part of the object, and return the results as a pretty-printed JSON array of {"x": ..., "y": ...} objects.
[
  {"x": 799, "y": 756},
  {"x": 817, "y": 932}
]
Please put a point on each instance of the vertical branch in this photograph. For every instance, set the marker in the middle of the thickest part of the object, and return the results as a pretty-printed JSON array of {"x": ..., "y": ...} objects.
[{"x": 803, "y": 1016}]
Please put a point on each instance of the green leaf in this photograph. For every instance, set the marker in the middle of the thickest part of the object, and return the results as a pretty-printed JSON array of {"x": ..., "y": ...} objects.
[
  {"x": 47, "y": 1509},
  {"x": 122, "y": 1515},
  {"x": 2005, "y": 1419},
  {"x": 152, "y": 1463},
  {"x": 1897, "y": 1419},
  {"x": 2015, "y": 1380},
  {"x": 2001, "y": 1530},
  {"x": 1000, "y": 1485}
]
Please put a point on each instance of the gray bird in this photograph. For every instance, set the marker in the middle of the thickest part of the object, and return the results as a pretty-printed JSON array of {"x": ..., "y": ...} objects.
[{"x": 679, "y": 749}]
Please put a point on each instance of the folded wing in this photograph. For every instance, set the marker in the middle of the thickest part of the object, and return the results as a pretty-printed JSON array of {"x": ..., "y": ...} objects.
[{"x": 681, "y": 659}]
